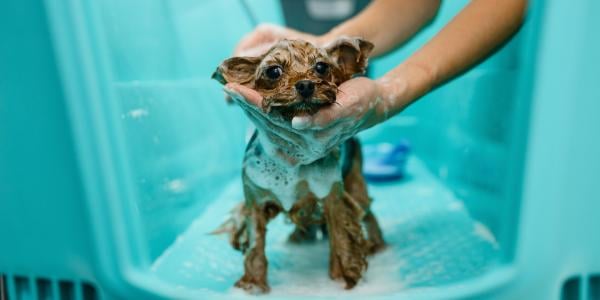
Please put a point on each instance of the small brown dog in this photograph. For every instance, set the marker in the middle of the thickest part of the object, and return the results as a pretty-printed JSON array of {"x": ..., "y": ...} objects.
[{"x": 325, "y": 193}]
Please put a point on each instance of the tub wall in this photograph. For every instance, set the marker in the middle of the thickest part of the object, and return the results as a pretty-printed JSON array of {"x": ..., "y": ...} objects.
[{"x": 183, "y": 142}]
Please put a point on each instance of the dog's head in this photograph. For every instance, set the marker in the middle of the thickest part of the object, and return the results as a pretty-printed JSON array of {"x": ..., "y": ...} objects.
[{"x": 295, "y": 77}]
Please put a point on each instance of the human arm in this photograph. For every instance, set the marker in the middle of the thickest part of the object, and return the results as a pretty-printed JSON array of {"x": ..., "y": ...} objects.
[
  {"x": 478, "y": 29},
  {"x": 386, "y": 23},
  {"x": 374, "y": 23},
  {"x": 473, "y": 33}
]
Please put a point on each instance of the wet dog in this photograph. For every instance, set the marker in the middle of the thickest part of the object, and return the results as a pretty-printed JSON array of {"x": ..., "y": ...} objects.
[{"x": 318, "y": 192}]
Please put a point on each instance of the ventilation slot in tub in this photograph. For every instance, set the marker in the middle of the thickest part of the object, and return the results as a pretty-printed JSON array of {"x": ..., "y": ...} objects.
[
  {"x": 23, "y": 287},
  {"x": 67, "y": 291},
  {"x": 594, "y": 287},
  {"x": 3, "y": 293},
  {"x": 44, "y": 288},
  {"x": 570, "y": 289},
  {"x": 575, "y": 289},
  {"x": 89, "y": 292}
]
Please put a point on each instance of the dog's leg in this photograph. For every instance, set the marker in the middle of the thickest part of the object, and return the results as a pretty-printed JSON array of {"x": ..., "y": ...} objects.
[
  {"x": 375, "y": 242},
  {"x": 261, "y": 207},
  {"x": 355, "y": 185},
  {"x": 254, "y": 279},
  {"x": 347, "y": 243},
  {"x": 235, "y": 228},
  {"x": 302, "y": 235},
  {"x": 303, "y": 214}
]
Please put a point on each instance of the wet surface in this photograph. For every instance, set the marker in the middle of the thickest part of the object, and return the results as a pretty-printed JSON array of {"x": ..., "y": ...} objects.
[{"x": 432, "y": 241}]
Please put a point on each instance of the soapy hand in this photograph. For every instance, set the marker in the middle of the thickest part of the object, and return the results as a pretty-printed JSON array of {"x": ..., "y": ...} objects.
[{"x": 360, "y": 104}]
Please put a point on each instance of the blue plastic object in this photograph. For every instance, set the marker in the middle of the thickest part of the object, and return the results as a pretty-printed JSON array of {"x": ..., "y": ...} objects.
[
  {"x": 385, "y": 161},
  {"x": 118, "y": 155}
]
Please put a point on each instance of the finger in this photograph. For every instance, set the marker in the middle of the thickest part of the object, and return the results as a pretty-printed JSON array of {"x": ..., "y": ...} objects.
[
  {"x": 330, "y": 136},
  {"x": 301, "y": 122},
  {"x": 327, "y": 116},
  {"x": 324, "y": 118},
  {"x": 347, "y": 104},
  {"x": 235, "y": 97},
  {"x": 249, "y": 95},
  {"x": 250, "y": 40}
]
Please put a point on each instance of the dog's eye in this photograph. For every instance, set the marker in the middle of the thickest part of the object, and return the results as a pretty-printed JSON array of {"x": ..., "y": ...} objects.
[
  {"x": 274, "y": 72},
  {"x": 321, "y": 68}
]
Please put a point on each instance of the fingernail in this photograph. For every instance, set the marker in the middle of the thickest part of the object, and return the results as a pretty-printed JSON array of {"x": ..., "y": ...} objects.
[
  {"x": 301, "y": 122},
  {"x": 232, "y": 93}
]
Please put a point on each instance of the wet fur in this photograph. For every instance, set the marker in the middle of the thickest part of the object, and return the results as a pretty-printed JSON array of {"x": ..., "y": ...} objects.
[{"x": 343, "y": 212}]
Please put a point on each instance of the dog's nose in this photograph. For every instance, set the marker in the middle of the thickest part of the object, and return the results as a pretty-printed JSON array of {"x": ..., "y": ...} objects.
[{"x": 305, "y": 88}]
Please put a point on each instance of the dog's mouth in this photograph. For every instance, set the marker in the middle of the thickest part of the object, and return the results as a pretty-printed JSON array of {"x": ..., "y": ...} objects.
[{"x": 297, "y": 107}]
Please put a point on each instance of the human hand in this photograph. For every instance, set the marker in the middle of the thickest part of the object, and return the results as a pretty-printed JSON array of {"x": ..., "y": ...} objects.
[
  {"x": 264, "y": 36},
  {"x": 360, "y": 105}
]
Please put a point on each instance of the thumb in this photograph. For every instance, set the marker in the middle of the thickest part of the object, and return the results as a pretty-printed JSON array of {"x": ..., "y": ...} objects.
[{"x": 302, "y": 122}]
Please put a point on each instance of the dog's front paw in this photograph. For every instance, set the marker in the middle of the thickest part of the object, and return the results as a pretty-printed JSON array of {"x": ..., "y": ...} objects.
[
  {"x": 335, "y": 269},
  {"x": 348, "y": 266},
  {"x": 353, "y": 268},
  {"x": 348, "y": 259},
  {"x": 253, "y": 285}
]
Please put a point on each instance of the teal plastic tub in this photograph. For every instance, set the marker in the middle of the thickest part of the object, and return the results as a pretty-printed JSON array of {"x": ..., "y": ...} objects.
[{"x": 118, "y": 155}]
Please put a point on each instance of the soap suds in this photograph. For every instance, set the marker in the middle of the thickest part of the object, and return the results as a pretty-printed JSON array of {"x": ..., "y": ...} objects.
[
  {"x": 277, "y": 175},
  {"x": 176, "y": 186},
  {"x": 301, "y": 122},
  {"x": 482, "y": 231},
  {"x": 307, "y": 268},
  {"x": 137, "y": 113}
]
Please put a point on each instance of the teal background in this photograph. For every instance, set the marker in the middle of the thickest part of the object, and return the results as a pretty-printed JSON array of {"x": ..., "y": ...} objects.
[{"x": 113, "y": 140}]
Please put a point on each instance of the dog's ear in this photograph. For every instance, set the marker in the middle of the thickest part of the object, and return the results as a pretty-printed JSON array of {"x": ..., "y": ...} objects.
[
  {"x": 237, "y": 70},
  {"x": 351, "y": 55}
]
